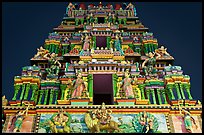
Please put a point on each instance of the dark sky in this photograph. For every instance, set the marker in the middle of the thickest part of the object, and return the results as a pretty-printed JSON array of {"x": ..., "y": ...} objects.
[{"x": 177, "y": 26}]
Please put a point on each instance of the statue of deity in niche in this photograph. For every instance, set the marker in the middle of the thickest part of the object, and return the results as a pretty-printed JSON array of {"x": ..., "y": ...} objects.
[
  {"x": 127, "y": 83},
  {"x": 79, "y": 86}
]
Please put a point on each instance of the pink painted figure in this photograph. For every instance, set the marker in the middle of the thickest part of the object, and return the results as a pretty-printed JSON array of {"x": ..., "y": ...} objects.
[
  {"x": 86, "y": 43},
  {"x": 79, "y": 86},
  {"x": 127, "y": 85}
]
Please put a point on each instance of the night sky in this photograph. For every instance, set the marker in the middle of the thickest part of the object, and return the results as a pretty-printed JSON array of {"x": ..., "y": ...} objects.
[{"x": 177, "y": 26}]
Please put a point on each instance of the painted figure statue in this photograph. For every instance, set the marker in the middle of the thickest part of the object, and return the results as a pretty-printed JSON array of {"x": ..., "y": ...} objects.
[
  {"x": 78, "y": 86},
  {"x": 150, "y": 70},
  {"x": 59, "y": 122},
  {"x": 189, "y": 121},
  {"x": 69, "y": 9},
  {"x": 100, "y": 119},
  {"x": 17, "y": 120},
  {"x": 147, "y": 123},
  {"x": 86, "y": 43},
  {"x": 53, "y": 63},
  {"x": 4, "y": 101},
  {"x": 127, "y": 83},
  {"x": 162, "y": 51},
  {"x": 117, "y": 45},
  {"x": 132, "y": 8},
  {"x": 41, "y": 52}
]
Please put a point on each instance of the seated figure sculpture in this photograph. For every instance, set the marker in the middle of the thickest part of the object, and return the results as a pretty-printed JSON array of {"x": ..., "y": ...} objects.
[{"x": 58, "y": 123}]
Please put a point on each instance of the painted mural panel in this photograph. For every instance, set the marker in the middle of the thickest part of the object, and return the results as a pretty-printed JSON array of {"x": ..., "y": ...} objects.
[
  {"x": 125, "y": 122},
  {"x": 179, "y": 125},
  {"x": 26, "y": 126}
]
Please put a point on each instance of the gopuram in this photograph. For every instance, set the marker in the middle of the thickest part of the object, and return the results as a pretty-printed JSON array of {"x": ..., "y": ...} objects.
[{"x": 101, "y": 71}]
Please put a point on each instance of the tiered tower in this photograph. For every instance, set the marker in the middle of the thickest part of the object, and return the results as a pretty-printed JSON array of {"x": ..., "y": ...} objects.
[{"x": 102, "y": 55}]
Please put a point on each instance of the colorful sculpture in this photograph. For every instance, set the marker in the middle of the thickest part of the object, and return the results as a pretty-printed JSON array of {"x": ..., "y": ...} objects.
[
  {"x": 17, "y": 120},
  {"x": 78, "y": 86},
  {"x": 59, "y": 122},
  {"x": 86, "y": 43},
  {"x": 69, "y": 9},
  {"x": 98, "y": 120},
  {"x": 127, "y": 83},
  {"x": 132, "y": 8},
  {"x": 53, "y": 63},
  {"x": 151, "y": 61},
  {"x": 113, "y": 45},
  {"x": 189, "y": 121}
]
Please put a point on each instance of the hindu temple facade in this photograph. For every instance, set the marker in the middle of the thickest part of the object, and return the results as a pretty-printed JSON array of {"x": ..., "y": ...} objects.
[{"x": 102, "y": 70}]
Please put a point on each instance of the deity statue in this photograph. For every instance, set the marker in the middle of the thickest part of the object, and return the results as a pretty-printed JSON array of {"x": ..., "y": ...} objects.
[
  {"x": 4, "y": 101},
  {"x": 162, "y": 51},
  {"x": 79, "y": 86},
  {"x": 189, "y": 121},
  {"x": 127, "y": 83},
  {"x": 100, "y": 119},
  {"x": 54, "y": 64},
  {"x": 132, "y": 8},
  {"x": 86, "y": 43},
  {"x": 91, "y": 19},
  {"x": 146, "y": 122},
  {"x": 103, "y": 114},
  {"x": 117, "y": 44},
  {"x": 17, "y": 120},
  {"x": 109, "y": 18},
  {"x": 58, "y": 123},
  {"x": 41, "y": 52},
  {"x": 69, "y": 9},
  {"x": 150, "y": 70}
]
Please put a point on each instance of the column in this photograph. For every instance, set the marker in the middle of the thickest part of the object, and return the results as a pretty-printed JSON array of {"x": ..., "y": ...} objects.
[
  {"x": 56, "y": 95},
  {"x": 164, "y": 96},
  {"x": 153, "y": 96},
  {"x": 177, "y": 90},
  {"x": 40, "y": 98},
  {"x": 46, "y": 95},
  {"x": 34, "y": 89},
  {"x": 90, "y": 85},
  {"x": 170, "y": 87},
  {"x": 148, "y": 95},
  {"x": 159, "y": 96},
  {"x": 187, "y": 87},
  {"x": 62, "y": 87},
  {"x": 182, "y": 92},
  {"x": 16, "y": 89},
  {"x": 22, "y": 92},
  {"x": 26, "y": 92},
  {"x": 141, "y": 86},
  {"x": 51, "y": 96}
]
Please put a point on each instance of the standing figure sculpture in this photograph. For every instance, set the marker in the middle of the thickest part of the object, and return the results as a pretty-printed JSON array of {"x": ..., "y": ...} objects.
[
  {"x": 17, "y": 120},
  {"x": 78, "y": 86},
  {"x": 189, "y": 121},
  {"x": 117, "y": 45},
  {"x": 86, "y": 43},
  {"x": 151, "y": 61},
  {"x": 127, "y": 85}
]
